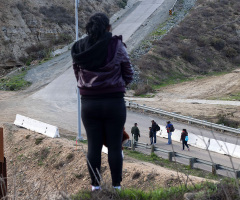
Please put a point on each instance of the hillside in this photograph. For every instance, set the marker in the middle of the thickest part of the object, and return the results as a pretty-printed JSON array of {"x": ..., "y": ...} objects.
[
  {"x": 195, "y": 58},
  {"x": 31, "y": 28},
  {"x": 48, "y": 168},
  {"x": 206, "y": 41}
]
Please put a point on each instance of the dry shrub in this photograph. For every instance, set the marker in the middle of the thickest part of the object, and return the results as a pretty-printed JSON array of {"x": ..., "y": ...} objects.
[
  {"x": 38, "y": 51},
  {"x": 63, "y": 39},
  {"x": 202, "y": 41},
  {"x": 236, "y": 60},
  {"x": 150, "y": 63},
  {"x": 187, "y": 54},
  {"x": 143, "y": 89},
  {"x": 57, "y": 14},
  {"x": 218, "y": 43},
  {"x": 230, "y": 52}
]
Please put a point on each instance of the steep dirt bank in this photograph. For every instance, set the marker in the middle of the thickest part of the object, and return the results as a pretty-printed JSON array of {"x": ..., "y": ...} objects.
[
  {"x": 30, "y": 28},
  {"x": 43, "y": 167}
]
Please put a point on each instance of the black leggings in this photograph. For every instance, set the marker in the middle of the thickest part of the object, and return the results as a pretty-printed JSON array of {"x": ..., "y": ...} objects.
[
  {"x": 104, "y": 118},
  {"x": 184, "y": 143}
]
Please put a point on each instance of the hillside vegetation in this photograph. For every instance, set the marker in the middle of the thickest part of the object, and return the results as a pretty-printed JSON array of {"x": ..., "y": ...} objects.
[{"x": 206, "y": 41}]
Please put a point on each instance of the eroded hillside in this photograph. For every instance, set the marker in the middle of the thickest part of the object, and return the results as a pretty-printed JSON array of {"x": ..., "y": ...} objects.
[
  {"x": 206, "y": 41},
  {"x": 29, "y": 28}
]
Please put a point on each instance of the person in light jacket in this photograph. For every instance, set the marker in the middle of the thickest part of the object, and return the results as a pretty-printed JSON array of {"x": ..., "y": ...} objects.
[{"x": 103, "y": 70}]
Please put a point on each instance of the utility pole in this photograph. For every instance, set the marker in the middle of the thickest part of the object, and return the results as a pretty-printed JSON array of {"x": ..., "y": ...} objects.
[{"x": 79, "y": 137}]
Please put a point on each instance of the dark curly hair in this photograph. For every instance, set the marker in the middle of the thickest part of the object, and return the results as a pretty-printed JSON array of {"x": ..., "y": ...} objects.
[{"x": 96, "y": 26}]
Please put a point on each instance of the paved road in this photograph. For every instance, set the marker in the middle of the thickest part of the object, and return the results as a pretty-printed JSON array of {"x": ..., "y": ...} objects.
[
  {"x": 215, "y": 102},
  {"x": 135, "y": 19},
  {"x": 144, "y": 121}
]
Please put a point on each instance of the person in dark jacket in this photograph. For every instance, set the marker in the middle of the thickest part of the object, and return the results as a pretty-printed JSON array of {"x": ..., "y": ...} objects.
[
  {"x": 135, "y": 132},
  {"x": 169, "y": 131},
  {"x": 184, "y": 138},
  {"x": 151, "y": 135},
  {"x": 103, "y": 70},
  {"x": 154, "y": 130}
]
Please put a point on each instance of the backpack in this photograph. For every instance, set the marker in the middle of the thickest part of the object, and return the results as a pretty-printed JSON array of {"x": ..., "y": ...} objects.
[
  {"x": 171, "y": 128},
  {"x": 157, "y": 128}
]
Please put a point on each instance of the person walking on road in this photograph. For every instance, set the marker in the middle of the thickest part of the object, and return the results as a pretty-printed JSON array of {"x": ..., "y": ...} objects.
[
  {"x": 170, "y": 130},
  {"x": 151, "y": 135},
  {"x": 184, "y": 139},
  {"x": 102, "y": 68},
  {"x": 135, "y": 132},
  {"x": 154, "y": 130}
]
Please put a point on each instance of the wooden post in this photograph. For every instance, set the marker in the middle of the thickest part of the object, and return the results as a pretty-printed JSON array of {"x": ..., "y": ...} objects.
[
  {"x": 133, "y": 145},
  {"x": 152, "y": 149},
  {"x": 1, "y": 145},
  {"x": 170, "y": 156},
  {"x": 3, "y": 168},
  {"x": 191, "y": 162},
  {"x": 238, "y": 174},
  {"x": 214, "y": 169}
]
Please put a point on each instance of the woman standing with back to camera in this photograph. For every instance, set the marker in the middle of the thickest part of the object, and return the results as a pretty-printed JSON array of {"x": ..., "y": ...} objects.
[{"x": 103, "y": 70}]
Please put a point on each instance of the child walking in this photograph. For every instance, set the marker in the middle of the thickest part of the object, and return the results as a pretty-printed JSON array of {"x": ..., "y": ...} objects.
[{"x": 184, "y": 139}]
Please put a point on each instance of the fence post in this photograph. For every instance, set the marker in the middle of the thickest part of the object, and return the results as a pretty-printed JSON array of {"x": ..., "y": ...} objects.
[
  {"x": 133, "y": 145},
  {"x": 3, "y": 168},
  {"x": 237, "y": 174},
  {"x": 170, "y": 156},
  {"x": 214, "y": 168},
  {"x": 1, "y": 145},
  {"x": 191, "y": 162},
  {"x": 152, "y": 149}
]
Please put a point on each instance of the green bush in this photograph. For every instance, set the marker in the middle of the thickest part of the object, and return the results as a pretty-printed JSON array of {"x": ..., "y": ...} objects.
[
  {"x": 122, "y": 3},
  {"x": 15, "y": 82}
]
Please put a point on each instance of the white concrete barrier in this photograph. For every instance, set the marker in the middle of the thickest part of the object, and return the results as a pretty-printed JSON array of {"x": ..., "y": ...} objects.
[
  {"x": 198, "y": 141},
  {"x": 105, "y": 149},
  {"x": 203, "y": 142},
  {"x": 37, "y": 126},
  {"x": 224, "y": 148}
]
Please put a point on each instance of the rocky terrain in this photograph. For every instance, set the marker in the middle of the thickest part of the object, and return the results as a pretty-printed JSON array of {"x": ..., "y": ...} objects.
[{"x": 31, "y": 28}]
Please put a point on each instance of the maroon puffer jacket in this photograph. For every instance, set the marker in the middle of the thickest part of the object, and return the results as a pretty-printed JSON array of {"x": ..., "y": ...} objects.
[{"x": 113, "y": 77}]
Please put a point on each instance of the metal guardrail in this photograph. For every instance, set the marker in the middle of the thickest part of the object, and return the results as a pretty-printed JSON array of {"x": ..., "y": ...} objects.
[
  {"x": 182, "y": 117},
  {"x": 192, "y": 160}
]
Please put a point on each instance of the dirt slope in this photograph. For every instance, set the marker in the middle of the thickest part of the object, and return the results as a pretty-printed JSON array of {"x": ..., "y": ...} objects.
[
  {"x": 215, "y": 87},
  {"x": 56, "y": 165},
  {"x": 29, "y": 28}
]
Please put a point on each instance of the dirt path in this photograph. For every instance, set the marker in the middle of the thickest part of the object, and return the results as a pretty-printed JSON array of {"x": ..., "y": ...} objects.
[{"x": 174, "y": 98}]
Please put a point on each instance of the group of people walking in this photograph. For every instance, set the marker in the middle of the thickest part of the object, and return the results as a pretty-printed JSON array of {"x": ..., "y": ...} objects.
[{"x": 153, "y": 131}]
